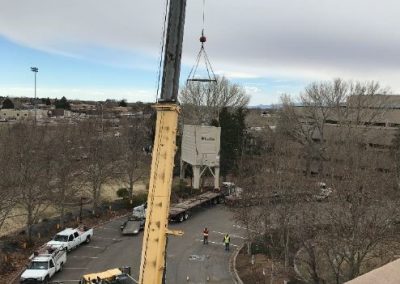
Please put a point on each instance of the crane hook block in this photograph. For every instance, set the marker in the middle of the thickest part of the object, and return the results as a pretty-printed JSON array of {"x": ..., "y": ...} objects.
[{"x": 203, "y": 39}]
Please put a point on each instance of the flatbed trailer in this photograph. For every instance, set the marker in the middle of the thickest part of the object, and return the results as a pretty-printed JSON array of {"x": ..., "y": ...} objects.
[
  {"x": 181, "y": 211},
  {"x": 178, "y": 212}
]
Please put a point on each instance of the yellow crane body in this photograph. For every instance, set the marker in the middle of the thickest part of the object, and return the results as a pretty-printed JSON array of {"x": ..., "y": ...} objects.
[
  {"x": 152, "y": 265},
  {"x": 155, "y": 231}
]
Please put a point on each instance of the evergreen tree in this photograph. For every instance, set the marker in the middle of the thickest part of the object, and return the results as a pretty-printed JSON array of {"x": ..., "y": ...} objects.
[
  {"x": 62, "y": 103},
  {"x": 8, "y": 104},
  {"x": 239, "y": 117},
  {"x": 123, "y": 103},
  {"x": 232, "y": 136}
]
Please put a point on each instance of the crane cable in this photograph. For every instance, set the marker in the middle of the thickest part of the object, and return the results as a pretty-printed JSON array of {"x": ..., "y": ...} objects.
[
  {"x": 162, "y": 45},
  {"x": 204, "y": 8},
  {"x": 202, "y": 53}
]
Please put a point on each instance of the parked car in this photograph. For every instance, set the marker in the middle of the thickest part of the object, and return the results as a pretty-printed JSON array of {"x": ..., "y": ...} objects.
[{"x": 135, "y": 222}]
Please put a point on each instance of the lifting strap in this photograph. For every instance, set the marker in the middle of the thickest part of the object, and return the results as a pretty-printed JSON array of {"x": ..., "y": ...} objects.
[{"x": 202, "y": 54}]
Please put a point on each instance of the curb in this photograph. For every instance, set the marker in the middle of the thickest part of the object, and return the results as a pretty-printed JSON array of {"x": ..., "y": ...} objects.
[
  {"x": 112, "y": 219},
  {"x": 98, "y": 225},
  {"x": 232, "y": 266}
]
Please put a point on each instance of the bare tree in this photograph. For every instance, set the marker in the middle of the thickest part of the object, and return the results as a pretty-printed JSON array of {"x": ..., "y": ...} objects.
[
  {"x": 30, "y": 169},
  {"x": 101, "y": 154},
  {"x": 134, "y": 159},
  {"x": 333, "y": 126},
  {"x": 349, "y": 233},
  {"x": 66, "y": 167},
  {"x": 362, "y": 222},
  {"x": 7, "y": 194},
  {"x": 272, "y": 187},
  {"x": 202, "y": 102},
  {"x": 325, "y": 105},
  {"x": 355, "y": 228}
]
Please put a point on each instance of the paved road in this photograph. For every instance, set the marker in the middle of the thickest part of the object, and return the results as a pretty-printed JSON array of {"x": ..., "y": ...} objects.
[{"x": 187, "y": 257}]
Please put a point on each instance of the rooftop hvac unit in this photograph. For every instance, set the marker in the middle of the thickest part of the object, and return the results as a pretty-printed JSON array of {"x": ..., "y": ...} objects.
[
  {"x": 201, "y": 145},
  {"x": 200, "y": 149}
]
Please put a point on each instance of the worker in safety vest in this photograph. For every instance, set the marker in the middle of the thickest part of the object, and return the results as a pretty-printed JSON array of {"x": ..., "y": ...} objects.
[
  {"x": 205, "y": 236},
  {"x": 227, "y": 240}
]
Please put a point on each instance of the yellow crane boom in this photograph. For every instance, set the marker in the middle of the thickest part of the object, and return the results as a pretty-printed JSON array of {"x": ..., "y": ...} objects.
[{"x": 152, "y": 264}]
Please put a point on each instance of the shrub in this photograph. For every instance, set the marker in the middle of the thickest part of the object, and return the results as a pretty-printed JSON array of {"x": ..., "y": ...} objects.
[
  {"x": 123, "y": 193},
  {"x": 139, "y": 199}
]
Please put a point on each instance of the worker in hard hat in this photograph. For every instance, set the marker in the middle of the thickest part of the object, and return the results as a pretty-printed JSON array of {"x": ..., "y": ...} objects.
[
  {"x": 205, "y": 236},
  {"x": 227, "y": 240}
]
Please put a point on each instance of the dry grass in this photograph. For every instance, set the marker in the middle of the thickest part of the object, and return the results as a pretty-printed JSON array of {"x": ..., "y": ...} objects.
[
  {"x": 109, "y": 190},
  {"x": 109, "y": 193},
  {"x": 18, "y": 219}
]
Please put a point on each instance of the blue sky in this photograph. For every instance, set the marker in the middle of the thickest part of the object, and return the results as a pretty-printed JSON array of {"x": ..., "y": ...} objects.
[
  {"x": 99, "y": 73},
  {"x": 93, "y": 50},
  {"x": 62, "y": 73}
]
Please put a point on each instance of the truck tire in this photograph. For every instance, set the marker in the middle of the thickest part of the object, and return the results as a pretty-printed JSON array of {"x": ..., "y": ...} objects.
[
  {"x": 61, "y": 267},
  {"x": 215, "y": 201},
  {"x": 88, "y": 239},
  {"x": 181, "y": 217},
  {"x": 46, "y": 280},
  {"x": 186, "y": 215}
]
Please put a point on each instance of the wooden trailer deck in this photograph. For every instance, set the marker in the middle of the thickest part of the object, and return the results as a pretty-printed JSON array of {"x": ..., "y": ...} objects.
[{"x": 193, "y": 202}]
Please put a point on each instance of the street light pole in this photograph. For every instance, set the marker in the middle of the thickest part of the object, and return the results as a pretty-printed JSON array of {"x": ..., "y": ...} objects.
[
  {"x": 80, "y": 211},
  {"x": 35, "y": 70}
]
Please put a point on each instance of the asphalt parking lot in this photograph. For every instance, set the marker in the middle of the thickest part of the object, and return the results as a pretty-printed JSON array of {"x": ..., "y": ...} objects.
[{"x": 188, "y": 260}]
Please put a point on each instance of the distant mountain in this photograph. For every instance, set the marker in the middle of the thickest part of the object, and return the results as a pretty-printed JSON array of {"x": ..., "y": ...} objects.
[{"x": 272, "y": 106}]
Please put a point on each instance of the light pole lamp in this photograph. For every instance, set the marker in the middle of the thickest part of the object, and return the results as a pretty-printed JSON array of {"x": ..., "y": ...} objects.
[{"x": 35, "y": 70}]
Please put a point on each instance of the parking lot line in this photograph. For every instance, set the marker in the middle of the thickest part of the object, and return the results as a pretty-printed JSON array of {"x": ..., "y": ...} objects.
[
  {"x": 103, "y": 238},
  {"x": 83, "y": 256},
  {"x": 231, "y": 235},
  {"x": 106, "y": 228},
  {"x": 217, "y": 243},
  {"x": 94, "y": 247},
  {"x": 243, "y": 228}
]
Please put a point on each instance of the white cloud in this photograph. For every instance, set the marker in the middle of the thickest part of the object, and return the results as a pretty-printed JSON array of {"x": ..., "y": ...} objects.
[
  {"x": 252, "y": 90},
  {"x": 131, "y": 95},
  {"x": 288, "y": 39},
  {"x": 236, "y": 74}
]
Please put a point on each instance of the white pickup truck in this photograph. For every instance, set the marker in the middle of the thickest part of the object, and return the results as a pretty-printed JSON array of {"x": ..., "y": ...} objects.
[
  {"x": 44, "y": 264},
  {"x": 71, "y": 238}
]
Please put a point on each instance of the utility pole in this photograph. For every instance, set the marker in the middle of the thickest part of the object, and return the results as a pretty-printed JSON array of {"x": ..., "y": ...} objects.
[
  {"x": 102, "y": 118},
  {"x": 35, "y": 70},
  {"x": 153, "y": 259}
]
